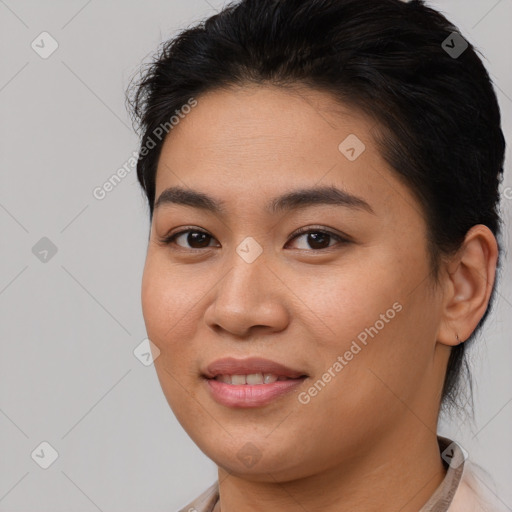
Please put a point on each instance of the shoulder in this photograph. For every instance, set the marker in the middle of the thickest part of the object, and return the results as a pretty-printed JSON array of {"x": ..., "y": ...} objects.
[
  {"x": 476, "y": 492},
  {"x": 205, "y": 501}
]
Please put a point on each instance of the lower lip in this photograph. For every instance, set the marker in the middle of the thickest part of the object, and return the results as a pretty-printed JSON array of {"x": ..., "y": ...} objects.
[{"x": 246, "y": 395}]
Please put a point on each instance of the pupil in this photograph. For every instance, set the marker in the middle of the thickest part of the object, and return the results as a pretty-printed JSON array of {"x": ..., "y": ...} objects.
[
  {"x": 197, "y": 237},
  {"x": 315, "y": 237}
]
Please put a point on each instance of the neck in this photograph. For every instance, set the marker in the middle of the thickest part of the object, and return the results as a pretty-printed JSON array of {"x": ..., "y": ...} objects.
[{"x": 399, "y": 472}]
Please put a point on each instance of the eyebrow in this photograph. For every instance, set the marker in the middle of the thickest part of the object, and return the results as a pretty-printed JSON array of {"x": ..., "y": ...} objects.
[{"x": 293, "y": 200}]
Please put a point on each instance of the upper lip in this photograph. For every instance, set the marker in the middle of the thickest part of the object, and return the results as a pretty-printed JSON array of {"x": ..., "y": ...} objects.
[{"x": 232, "y": 366}]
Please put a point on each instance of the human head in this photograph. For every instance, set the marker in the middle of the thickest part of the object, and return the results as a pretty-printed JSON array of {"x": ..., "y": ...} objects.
[
  {"x": 431, "y": 168},
  {"x": 438, "y": 117}
]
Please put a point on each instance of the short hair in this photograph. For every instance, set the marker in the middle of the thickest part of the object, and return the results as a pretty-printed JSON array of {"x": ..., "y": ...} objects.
[{"x": 437, "y": 115}]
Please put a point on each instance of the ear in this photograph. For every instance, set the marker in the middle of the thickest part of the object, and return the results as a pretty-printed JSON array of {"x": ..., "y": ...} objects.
[{"x": 468, "y": 283}]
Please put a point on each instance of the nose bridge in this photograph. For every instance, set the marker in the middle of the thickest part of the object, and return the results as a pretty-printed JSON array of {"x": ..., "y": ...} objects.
[
  {"x": 245, "y": 297},
  {"x": 243, "y": 283}
]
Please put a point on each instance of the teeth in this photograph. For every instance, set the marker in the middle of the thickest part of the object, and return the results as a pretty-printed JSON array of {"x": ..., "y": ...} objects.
[
  {"x": 254, "y": 378},
  {"x": 269, "y": 378},
  {"x": 238, "y": 379},
  {"x": 251, "y": 379}
]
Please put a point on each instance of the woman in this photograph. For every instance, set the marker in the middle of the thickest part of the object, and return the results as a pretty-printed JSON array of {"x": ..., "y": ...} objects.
[{"x": 322, "y": 180}]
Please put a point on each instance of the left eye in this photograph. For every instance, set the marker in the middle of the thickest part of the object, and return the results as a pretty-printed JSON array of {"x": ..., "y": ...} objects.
[{"x": 319, "y": 239}]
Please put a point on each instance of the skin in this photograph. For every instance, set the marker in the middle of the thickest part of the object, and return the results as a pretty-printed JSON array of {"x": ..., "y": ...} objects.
[{"x": 367, "y": 441}]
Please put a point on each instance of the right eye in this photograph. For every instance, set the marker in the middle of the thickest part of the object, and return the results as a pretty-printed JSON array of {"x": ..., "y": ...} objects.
[{"x": 191, "y": 236}]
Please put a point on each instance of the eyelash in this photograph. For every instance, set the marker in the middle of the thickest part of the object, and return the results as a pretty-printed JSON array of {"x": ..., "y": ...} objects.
[{"x": 168, "y": 240}]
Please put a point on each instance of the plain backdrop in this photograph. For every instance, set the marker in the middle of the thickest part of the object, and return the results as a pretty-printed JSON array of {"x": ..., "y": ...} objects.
[{"x": 72, "y": 264}]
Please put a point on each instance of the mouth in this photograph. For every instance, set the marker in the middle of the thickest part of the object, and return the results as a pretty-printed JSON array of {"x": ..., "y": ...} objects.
[
  {"x": 252, "y": 382},
  {"x": 250, "y": 369},
  {"x": 252, "y": 379}
]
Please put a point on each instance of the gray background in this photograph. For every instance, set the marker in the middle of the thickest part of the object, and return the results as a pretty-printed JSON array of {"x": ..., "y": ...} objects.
[{"x": 69, "y": 325}]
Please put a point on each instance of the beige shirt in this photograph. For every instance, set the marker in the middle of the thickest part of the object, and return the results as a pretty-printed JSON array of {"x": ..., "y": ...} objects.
[{"x": 462, "y": 490}]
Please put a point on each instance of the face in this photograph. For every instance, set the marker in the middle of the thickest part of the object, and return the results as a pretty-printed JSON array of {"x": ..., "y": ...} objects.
[{"x": 333, "y": 286}]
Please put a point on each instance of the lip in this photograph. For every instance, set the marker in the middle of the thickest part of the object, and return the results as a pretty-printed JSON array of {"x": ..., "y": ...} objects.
[
  {"x": 232, "y": 366},
  {"x": 247, "y": 395}
]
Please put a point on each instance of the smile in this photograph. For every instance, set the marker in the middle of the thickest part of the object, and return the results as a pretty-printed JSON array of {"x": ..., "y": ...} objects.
[
  {"x": 251, "y": 379},
  {"x": 250, "y": 382}
]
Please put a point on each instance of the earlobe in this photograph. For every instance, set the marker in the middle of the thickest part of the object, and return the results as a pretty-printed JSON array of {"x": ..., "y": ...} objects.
[{"x": 469, "y": 281}]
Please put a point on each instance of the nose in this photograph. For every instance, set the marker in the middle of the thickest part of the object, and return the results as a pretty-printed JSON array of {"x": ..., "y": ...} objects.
[{"x": 249, "y": 300}]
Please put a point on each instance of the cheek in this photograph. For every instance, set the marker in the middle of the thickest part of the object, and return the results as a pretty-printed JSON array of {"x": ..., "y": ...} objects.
[
  {"x": 167, "y": 299},
  {"x": 168, "y": 319},
  {"x": 162, "y": 310},
  {"x": 374, "y": 318},
  {"x": 347, "y": 303},
  {"x": 154, "y": 301},
  {"x": 171, "y": 306}
]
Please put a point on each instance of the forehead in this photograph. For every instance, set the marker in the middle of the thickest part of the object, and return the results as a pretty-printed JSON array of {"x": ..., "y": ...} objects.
[{"x": 248, "y": 144}]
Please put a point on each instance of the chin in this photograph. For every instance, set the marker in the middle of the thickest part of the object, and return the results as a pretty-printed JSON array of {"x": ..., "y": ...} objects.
[{"x": 255, "y": 458}]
